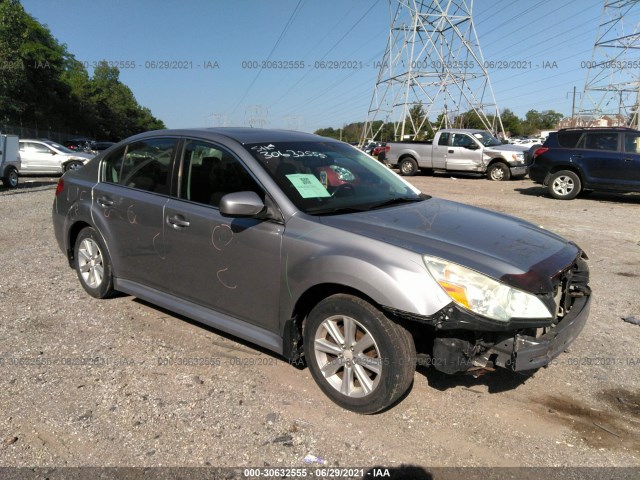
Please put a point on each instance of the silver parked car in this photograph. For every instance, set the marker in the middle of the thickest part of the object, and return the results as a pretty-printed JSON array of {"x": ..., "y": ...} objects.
[
  {"x": 310, "y": 248},
  {"x": 44, "y": 157}
]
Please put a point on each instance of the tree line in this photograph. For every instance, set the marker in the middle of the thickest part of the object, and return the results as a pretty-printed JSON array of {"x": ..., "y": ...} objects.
[
  {"x": 43, "y": 86},
  {"x": 514, "y": 126}
]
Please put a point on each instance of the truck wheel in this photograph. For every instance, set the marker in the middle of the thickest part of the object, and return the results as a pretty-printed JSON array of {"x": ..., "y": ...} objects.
[
  {"x": 564, "y": 185},
  {"x": 498, "y": 172},
  {"x": 359, "y": 358},
  {"x": 11, "y": 178},
  {"x": 408, "y": 166}
]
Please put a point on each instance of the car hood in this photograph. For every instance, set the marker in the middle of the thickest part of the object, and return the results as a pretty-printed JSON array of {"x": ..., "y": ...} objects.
[
  {"x": 500, "y": 246},
  {"x": 80, "y": 155},
  {"x": 507, "y": 148}
]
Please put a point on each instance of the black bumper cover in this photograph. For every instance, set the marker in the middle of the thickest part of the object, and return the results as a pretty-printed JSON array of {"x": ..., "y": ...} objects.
[{"x": 528, "y": 353}]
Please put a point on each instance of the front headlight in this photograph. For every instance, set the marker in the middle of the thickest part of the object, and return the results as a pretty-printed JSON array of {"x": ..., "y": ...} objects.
[{"x": 483, "y": 295}]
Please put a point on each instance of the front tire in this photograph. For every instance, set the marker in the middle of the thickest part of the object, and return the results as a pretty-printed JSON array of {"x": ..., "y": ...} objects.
[
  {"x": 564, "y": 185},
  {"x": 498, "y": 172},
  {"x": 93, "y": 264},
  {"x": 359, "y": 358},
  {"x": 73, "y": 166},
  {"x": 408, "y": 167},
  {"x": 11, "y": 178}
]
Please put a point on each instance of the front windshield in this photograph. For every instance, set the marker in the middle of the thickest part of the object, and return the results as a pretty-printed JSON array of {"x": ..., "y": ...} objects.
[
  {"x": 332, "y": 177},
  {"x": 487, "y": 139},
  {"x": 59, "y": 147}
]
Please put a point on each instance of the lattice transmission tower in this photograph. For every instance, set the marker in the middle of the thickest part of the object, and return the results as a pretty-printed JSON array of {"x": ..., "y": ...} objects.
[
  {"x": 612, "y": 84},
  {"x": 433, "y": 59}
]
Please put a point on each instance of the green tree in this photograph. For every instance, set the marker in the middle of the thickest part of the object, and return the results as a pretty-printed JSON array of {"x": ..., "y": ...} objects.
[
  {"x": 536, "y": 121},
  {"x": 42, "y": 85},
  {"x": 511, "y": 123},
  {"x": 470, "y": 119},
  {"x": 415, "y": 125}
]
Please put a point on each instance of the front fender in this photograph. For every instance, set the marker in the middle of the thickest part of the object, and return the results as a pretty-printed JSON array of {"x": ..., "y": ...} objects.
[{"x": 389, "y": 275}]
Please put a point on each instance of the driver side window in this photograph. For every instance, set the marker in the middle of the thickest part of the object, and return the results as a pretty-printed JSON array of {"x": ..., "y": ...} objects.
[
  {"x": 210, "y": 172},
  {"x": 461, "y": 140}
]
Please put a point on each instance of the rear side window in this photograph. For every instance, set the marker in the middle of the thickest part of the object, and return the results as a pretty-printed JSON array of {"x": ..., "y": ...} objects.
[
  {"x": 599, "y": 141},
  {"x": 112, "y": 165},
  {"x": 632, "y": 143},
  {"x": 144, "y": 165},
  {"x": 568, "y": 139},
  {"x": 444, "y": 139}
]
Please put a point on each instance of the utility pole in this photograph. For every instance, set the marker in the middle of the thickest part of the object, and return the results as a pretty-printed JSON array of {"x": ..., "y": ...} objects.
[
  {"x": 612, "y": 74},
  {"x": 432, "y": 59},
  {"x": 574, "y": 120},
  {"x": 255, "y": 115}
]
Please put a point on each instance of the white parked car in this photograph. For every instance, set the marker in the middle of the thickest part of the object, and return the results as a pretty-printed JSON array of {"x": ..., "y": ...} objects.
[{"x": 47, "y": 157}]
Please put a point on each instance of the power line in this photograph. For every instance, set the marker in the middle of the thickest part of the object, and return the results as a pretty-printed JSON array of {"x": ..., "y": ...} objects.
[
  {"x": 327, "y": 53},
  {"x": 294, "y": 14}
]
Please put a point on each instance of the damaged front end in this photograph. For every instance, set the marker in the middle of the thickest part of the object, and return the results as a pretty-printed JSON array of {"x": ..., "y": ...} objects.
[{"x": 462, "y": 341}]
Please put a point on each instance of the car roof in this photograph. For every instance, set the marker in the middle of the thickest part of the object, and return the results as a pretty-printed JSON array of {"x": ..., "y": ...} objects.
[
  {"x": 37, "y": 140},
  {"x": 595, "y": 129},
  {"x": 243, "y": 135},
  {"x": 464, "y": 130}
]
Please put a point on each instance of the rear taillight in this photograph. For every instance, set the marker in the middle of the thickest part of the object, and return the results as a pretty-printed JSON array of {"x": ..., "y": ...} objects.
[
  {"x": 540, "y": 151},
  {"x": 59, "y": 187}
]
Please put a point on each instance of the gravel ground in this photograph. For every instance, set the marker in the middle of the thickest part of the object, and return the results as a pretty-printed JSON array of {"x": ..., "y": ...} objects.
[{"x": 119, "y": 382}]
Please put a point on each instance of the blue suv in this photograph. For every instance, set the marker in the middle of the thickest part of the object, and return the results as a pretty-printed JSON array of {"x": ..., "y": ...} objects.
[{"x": 576, "y": 159}]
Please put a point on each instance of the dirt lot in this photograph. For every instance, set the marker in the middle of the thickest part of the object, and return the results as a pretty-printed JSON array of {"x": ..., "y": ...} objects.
[{"x": 121, "y": 383}]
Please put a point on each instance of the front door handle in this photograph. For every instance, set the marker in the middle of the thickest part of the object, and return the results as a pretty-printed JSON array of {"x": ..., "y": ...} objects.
[
  {"x": 451, "y": 151},
  {"x": 178, "y": 221},
  {"x": 627, "y": 159}
]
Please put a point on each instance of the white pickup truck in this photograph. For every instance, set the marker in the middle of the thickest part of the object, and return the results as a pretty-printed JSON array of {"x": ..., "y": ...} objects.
[{"x": 459, "y": 150}]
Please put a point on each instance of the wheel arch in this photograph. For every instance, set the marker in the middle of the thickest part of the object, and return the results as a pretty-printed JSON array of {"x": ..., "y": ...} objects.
[
  {"x": 292, "y": 345},
  {"x": 73, "y": 232},
  {"x": 572, "y": 168},
  {"x": 72, "y": 235},
  {"x": 495, "y": 160},
  {"x": 407, "y": 155}
]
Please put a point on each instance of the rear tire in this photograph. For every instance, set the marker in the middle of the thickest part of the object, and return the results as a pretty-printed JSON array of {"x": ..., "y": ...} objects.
[
  {"x": 408, "y": 167},
  {"x": 359, "y": 358},
  {"x": 564, "y": 185},
  {"x": 498, "y": 172},
  {"x": 93, "y": 264},
  {"x": 10, "y": 180}
]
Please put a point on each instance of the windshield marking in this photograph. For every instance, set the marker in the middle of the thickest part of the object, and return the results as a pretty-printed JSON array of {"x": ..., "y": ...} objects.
[{"x": 267, "y": 151}]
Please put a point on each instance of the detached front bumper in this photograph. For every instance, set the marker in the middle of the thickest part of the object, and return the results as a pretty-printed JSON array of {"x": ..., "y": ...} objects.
[
  {"x": 529, "y": 353},
  {"x": 518, "y": 171}
]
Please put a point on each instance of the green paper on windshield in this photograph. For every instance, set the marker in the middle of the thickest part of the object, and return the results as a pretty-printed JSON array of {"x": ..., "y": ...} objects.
[{"x": 308, "y": 185}]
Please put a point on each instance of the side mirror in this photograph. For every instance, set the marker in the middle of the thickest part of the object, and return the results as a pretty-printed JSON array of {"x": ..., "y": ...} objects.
[
  {"x": 241, "y": 204},
  {"x": 473, "y": 146}
]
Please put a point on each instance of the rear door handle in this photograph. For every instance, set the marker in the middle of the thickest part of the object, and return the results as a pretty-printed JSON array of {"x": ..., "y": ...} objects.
[
  {"x": 105, "y": 202},
  {"x": 451, "y": 151},
  {"x": 178, "y": 221},
  {"x": 627, "y": 159}
]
